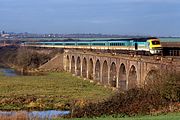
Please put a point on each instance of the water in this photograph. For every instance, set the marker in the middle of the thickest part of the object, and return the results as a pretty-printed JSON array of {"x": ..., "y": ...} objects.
[
  {"x": 48, "y": 114},
  {"x": 25, "y": 115},
  {"x": 12, "y": 73},
  {"x": 8, "y": 72}
]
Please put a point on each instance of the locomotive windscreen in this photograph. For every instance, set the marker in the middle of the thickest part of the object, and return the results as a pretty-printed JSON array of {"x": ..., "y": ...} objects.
[{"x": 155, "y": 42}]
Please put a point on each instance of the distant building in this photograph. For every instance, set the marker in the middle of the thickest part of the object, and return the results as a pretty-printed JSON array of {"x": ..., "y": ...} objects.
[
  {"x": 2, "y": 32},
  {"x": 5, "y": 35}
]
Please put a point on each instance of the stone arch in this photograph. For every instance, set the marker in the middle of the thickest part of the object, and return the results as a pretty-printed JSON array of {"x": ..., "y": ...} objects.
[
  {"x": 122, "y": 77},
  {"x": 113, "y": 75},
  {"x": 152, "y": 77},
  {"x": 73, "y": 65},
  {"x": 90, "y": 69},
  {"x": 84, "y": 68},
  {"x": 67, "y": 63},
  {"x": 97, "y": 70},
  {"x": 132, "y": 78},
  {"x": 78, "y": 67},
  {"x": 105, "y": 73}
]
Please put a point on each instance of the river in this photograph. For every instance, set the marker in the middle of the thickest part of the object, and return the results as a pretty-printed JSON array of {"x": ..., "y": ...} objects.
[
  {"x": 32, "y": 115},
  {"x": 8, "y": 72}
]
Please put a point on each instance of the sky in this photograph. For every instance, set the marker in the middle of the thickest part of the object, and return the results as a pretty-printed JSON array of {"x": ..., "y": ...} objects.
[{"x": 125, "y": 17}]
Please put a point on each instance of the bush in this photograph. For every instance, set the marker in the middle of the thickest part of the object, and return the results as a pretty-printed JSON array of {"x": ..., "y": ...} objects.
[
  {"x": 136, "y": 101},
  {"x": 171, "y": 87},
  {"x": 28, "y": 58},
  {"x": 133, "y": 102},
  {"x": 167, "y": 85},
  {"x": 8, "y": 55}
]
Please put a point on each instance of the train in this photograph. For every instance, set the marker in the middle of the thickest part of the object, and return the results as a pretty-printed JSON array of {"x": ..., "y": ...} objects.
[{"x": 149, "y": 45}]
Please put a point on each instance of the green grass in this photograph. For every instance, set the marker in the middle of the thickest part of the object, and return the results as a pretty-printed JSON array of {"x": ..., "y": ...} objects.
[
  {"x": 52, "y": 91},
  {"x": 170, "y": 116}
]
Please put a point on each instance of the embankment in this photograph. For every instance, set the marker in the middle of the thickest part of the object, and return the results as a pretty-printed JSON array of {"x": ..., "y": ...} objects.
[{"x": 55, "y": 64}]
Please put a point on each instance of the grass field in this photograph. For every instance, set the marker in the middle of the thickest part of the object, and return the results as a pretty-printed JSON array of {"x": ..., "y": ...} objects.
[
  {"x": 52, "y": 91},
  {"x": 170, "y": 116}
]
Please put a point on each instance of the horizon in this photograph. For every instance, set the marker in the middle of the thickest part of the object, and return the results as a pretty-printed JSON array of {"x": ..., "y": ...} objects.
[
  {"x": 102, "y": 34},
  {"x": 119, "y": 17}
]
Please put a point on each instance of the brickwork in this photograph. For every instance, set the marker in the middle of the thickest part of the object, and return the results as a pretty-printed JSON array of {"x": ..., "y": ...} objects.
[{"x": 119, "y": 71}]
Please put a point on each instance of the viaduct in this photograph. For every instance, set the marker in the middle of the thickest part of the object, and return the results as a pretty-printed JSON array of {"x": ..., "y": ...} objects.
[{"x": 118, "y": 71}]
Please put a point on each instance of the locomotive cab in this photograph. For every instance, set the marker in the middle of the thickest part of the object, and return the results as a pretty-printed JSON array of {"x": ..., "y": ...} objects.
[{"x": 154, "y": 46}]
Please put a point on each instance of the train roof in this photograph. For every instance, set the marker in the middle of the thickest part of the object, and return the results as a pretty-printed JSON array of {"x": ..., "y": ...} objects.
[
  {"x": 124, "y": 39},
  {"x": 112, "y": 40}
]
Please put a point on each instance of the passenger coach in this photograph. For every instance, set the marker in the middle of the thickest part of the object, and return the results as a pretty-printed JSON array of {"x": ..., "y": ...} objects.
[{"x": 149, "y": 45}]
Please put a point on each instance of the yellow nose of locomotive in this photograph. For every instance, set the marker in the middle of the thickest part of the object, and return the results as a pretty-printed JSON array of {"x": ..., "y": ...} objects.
[
  {"x": 155, "y": 46},
  {"x": 155, "y": 43}
]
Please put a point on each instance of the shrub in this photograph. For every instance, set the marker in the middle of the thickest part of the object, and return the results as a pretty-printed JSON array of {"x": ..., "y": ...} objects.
[
  {"x": 171, "y": 87},
  {"x": 135, "y": 101},
  {"x": 28, "y": 58}
]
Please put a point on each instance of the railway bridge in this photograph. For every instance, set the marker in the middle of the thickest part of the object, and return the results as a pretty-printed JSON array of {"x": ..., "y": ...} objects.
[{"x": 118, "y": 71}]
